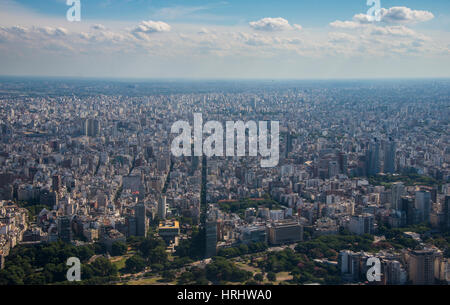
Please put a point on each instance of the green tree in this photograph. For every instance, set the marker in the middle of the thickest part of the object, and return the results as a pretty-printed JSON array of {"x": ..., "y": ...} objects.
[
  {"x": 259, "y": 277},
  {"x": 168, "y": 276},
  {"x": 102, "y": 267},
  {"x": 135, "y": 264},
  {"x": 118, "y": 248},
  {"x": 271, "y": 276}
]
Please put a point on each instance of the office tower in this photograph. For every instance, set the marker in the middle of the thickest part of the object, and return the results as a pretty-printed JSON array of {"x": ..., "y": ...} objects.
[
  {"x": 447, "y": 212},
  {"x": 211, "y": 237},
  {"x": 92, "y": 127},
  {"x": 343, "y": 163},
  {"x": 396, "y": 195},
  {"x": 141, "y": 219},
  {"x": 64, "y": 226},
  {"x": 148, "y": 152},
  {"x": 288, "y": 143},
  {"x": 131, "y": 225},
  {"x": 373, "y": 158},
  {"x": 162, "y": 208},
  {"x": 349, "y": 263},
  {"x": 362, "y": 224},
  {"x": 389, "y": 157},
  {"x": 56, "y": 183},
  {"x": 394, "y": 273},
  {"x": 407, "y": 206},
  {"x": 162, "y": 163},
  {"x": 421, "y": 266},
  {"x": 333, "y": 169},
  {"x": 422, "y": 205}
]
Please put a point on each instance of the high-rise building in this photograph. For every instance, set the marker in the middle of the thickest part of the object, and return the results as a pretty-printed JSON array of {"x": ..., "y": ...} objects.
[
  {"x": 211, "y": 237},
  {"x": 446, "y": 212},
  {"x": 394, "y": 272},
  {"x": 288, "y": 143},
  {"x": 162, "y": 208},
  {"x": 56, "y": 183},
  {"x": 148, "y": 152},
  {"x": 407, "y": 207},
  {"x": 131, "y": 224},
  {"x": 422, "y": 204},
  {"x": 421, "y": 266},
  {"x": 389, "y": 157},
  {"x": 373, "y": 158},
  {"x": 91, "y": 127},
  {"x": 397, "y": 192},
  {"x": 141, "y": 219},
  {"x": 349, "y": 264},
  {"x": 343, "y": 163},
  {"x": 333, "y": 169},
  {"x": 362, "y": 224},
  {"x": 64, "y": 226}
]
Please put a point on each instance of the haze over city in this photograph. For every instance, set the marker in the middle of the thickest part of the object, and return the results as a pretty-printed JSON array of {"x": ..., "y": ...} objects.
[{"x": 225, "y": 39}]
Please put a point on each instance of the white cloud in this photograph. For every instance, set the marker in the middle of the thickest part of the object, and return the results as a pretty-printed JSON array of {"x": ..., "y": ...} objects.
[
  {"x": 393, "y": 15},
  {"x": 335, "y": 37},
  {"x": 345, "y": 24},
  {"x": 100, "y": 27},
  {"x": 50, "y": 31},
  {"x": 152, "y": 27},
  {"x": 297, "y": 27},
  {"x": 394, "y": 31},
  {"x": 362, "y": 19},
  {"x": 402, "y": 14},
  {"x": 271, "y": 24},
  {"x": 203, "y": 31}
]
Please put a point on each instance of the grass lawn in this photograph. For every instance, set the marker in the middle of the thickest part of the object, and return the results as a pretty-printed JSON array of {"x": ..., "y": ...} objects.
[
  {"x": 248, "y": 268},
  {"x": 119, "y": 261},
  {"x": 283, "y": 276},
  {"x": 150, "y": 281}
]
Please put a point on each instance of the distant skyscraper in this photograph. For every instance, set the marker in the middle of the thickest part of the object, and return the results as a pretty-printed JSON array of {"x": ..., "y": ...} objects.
[
  {"x": 373, "y": 158},
  {"x": 56, "y": 183},
  {"x": 447, "y": 212},
  {"x": 349, "y": 264},
  {"x": 423, "y": 206},
  {"x": 396, "y": 194},
  {"x": 362, "y": 224},
  {"x": 162, "y": 208},
  {"x": 407, "y": 207},
  {"x": 343, "y": 163},
  {"x": 141, "y": 219},
  {"x": 148, "y": 152},
  {"x": 64, "y": 228},
  {"x": 333, "y": 169},
  {"x": 131, "y": 224},
  {"x": 288, "y": 143},
  {"x": 211, "y": 237},
  {"x": 92, "y": 128},
  {"x": 389, "y": 157}
]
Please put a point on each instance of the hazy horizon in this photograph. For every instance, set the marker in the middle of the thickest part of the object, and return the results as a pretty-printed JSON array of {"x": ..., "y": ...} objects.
[{"x": 225, "y": 40}]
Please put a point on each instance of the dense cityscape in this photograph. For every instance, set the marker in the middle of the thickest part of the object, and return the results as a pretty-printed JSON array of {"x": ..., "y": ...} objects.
[{"x": 87, "y": 171}]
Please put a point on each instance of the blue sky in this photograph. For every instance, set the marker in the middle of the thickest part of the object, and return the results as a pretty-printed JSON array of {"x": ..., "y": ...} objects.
[
  {"x": 226, "y": 39},
  {"x": 307, "y": 12}
]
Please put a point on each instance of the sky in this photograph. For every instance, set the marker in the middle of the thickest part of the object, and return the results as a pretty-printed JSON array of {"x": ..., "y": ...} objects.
[{"x": 230, "y": 39}]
